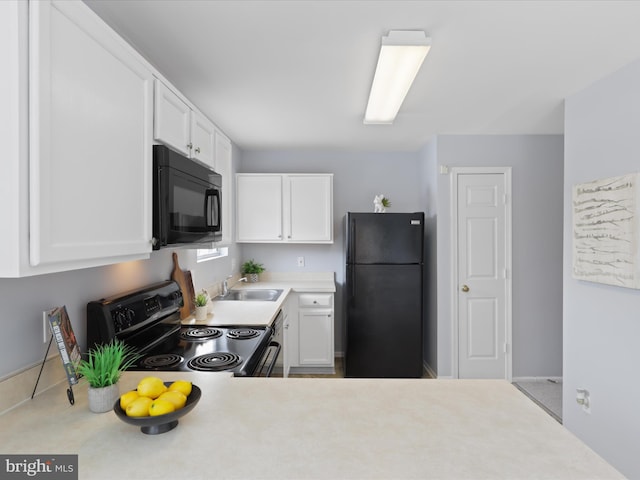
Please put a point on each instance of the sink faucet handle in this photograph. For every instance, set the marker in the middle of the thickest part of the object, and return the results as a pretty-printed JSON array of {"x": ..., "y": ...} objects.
[{"x": 225, "y": 286}]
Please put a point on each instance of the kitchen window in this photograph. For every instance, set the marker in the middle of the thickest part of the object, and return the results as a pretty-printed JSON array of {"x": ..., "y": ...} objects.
[{"x": 206, "y": 254}]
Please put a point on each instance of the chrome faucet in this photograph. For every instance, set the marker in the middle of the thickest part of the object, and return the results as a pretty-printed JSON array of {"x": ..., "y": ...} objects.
[{"x": 226, "y": 287}]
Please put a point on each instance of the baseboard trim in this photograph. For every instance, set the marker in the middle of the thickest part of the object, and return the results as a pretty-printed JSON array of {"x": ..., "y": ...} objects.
[
  {"x": 432, "y": 373},
  {"x": 537, "y": 379},
  {"x": 17, "y": 389},
  {"x": 312, "y": 371}
]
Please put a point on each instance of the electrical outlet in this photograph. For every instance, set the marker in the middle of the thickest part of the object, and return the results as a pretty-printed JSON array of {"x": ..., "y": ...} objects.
[
  {"x": 233, "y": 264},
  {"x": 583, "y": 397},
  {"x": 301, "y": 261}
]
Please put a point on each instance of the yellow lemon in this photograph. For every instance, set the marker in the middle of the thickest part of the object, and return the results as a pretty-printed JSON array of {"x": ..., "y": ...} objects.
[
  {"x": 178, "y": 399},
  {"x": 151, "y": 387},
  {"x": 160, "y": 407},
  {"x": 181, "y": 386},
  {"x": 139, "y": 407},
  {"x": 127, "y": 398}
]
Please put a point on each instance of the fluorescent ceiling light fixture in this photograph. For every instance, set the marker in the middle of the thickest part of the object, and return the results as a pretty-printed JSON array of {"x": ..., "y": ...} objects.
[{"x": 401, "y": 55}]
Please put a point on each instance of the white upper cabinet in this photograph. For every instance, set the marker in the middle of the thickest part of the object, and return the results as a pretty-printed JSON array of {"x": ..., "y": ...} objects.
[
  {"x": 259, "y": 208},
  {"x": 310, "y": 208},
  {"x": 224, "y": 166},
  {"x": 90, "y": 138},
  {"x": 78, "y": 187},
  {"x": 77, "y": 130},
  {"x": 172, "y": 120},
  {"x": 182, "y": 128},
  {"x": 284, "y": 208},
  {"x": 203, "y": 139}
]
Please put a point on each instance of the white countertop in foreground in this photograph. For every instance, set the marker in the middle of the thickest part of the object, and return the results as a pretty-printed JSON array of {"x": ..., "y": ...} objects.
[
  {"x": 250, "y": 428},
  {"x": 258, "y": 312}
]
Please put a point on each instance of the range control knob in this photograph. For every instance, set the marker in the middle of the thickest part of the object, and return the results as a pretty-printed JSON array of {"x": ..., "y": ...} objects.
[
  {"x": 131, "y": 317},
  {"x": 119, "y": 320}
]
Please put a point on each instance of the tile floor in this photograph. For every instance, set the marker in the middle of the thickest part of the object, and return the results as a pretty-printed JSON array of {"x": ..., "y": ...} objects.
[
  {"x": 545, "y": 393},
  {"x": 339, "y": 372}
]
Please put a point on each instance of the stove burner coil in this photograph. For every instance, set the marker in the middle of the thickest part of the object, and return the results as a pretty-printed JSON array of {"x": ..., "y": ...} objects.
[
  {"x": 242, "y": 333},
  {"x": 164, "y": 360},
  {"x": 195, "y": 334},
  {"x": 215, "y": 362}
]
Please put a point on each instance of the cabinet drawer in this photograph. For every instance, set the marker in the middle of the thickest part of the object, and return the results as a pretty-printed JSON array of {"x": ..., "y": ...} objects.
[{"x": 315, "y": 300}]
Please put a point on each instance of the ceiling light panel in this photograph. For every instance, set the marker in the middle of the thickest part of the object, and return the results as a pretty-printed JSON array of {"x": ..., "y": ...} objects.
[{"x": 401, "y": 55}]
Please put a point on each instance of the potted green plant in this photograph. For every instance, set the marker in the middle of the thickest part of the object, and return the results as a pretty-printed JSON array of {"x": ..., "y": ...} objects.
[
  {"x": 103, "y": 368},
  {"x": 251, "y": 269},
  {"x": 200, "y": 301}
]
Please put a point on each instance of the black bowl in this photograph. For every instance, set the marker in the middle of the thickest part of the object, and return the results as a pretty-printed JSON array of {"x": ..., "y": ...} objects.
[{"x": 160, "y": 423}]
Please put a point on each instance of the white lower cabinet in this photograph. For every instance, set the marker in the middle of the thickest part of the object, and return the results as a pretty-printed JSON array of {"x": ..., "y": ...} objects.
[
  {"x": 310, "y": 340},
  {"x": 284, "y": 360},
  {"x": 315, "y": 337}
]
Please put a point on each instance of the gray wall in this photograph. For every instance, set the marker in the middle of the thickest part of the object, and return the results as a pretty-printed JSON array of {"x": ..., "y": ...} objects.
[
  {"x": 537, "y": 173},
  {"x": 358, "y": 177},
  {"x": 24, "y": 299},
  {"x": 602, "y": 323},
  {"x": 429, "y": 176}
]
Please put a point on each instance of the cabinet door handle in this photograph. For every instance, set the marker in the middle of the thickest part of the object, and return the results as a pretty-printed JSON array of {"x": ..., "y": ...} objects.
[
  {"x": 189, "y": 146},
  {"x": 197, "y": 149}
]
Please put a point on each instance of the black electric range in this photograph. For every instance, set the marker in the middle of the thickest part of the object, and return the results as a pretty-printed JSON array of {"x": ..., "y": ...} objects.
[{"x": 148, "y": 319}]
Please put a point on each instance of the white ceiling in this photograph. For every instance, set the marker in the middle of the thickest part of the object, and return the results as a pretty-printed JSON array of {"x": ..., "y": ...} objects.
[{"x": 296, "y": 74}]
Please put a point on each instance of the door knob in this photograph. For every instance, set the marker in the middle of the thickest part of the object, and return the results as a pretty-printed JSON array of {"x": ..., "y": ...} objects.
[{"x": 465, "y": 288}]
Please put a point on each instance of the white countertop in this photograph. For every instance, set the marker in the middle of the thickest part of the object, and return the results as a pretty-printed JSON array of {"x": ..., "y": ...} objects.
[
  {"x": 258, "y": 312},
  {"x": 249, "y": 428}
]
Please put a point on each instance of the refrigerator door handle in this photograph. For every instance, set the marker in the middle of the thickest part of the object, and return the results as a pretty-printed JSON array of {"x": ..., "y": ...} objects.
[
  {"x": 350, "y": 284},
  {"x": 351, "y": 254},
  {"x": 353, "y": 286}
]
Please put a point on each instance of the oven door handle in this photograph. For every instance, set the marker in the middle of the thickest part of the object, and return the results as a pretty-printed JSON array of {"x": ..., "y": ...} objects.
[{"x": 278, "y": 347}]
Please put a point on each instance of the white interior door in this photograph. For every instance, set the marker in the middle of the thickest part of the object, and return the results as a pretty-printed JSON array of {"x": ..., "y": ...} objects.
[{"x": 482, "y": 287}]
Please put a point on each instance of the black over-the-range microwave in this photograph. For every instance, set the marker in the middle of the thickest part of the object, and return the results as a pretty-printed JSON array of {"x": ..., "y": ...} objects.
[{"x": 186, "y": 200}]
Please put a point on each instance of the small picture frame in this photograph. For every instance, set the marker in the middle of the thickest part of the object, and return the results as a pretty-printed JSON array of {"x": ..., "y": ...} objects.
[{"x": 65, "y": 339}]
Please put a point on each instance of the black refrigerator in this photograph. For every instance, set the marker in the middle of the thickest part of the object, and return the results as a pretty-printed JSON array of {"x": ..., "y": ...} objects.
[{"x": 383, "y": 291}]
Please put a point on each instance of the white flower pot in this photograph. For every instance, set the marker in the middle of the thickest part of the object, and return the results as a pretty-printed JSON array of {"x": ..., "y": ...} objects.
[
  {"x": 201, "y": 313},
  {"x": 252, "y": 277},
  {"x": 102, "y": 399}
]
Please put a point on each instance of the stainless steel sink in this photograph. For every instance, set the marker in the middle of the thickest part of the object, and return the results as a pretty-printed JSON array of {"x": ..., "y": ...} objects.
[{"x": 259, "y": 294}]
